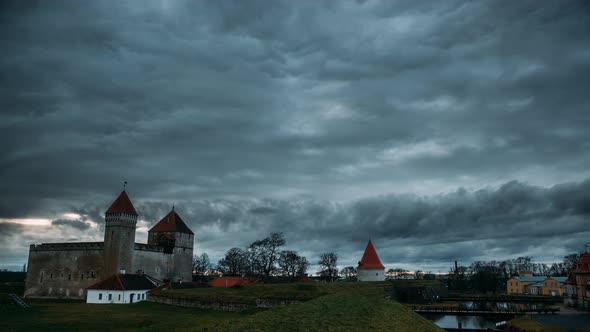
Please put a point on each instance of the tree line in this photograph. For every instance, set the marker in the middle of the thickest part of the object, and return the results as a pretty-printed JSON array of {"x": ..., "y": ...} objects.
[
  {"x": 265, "y": 258},
  {"x": 492, "y": 276}
]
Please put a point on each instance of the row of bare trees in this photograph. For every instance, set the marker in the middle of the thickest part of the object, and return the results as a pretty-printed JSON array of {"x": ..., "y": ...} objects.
[
  {"x": 261, "y": 258},
  {"x": 266, "y": 258}
]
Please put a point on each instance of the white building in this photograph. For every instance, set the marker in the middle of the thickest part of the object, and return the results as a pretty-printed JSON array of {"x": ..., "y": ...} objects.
[
  {"x": 121, "y": 288},
  {"x": 370, "y": 267}
]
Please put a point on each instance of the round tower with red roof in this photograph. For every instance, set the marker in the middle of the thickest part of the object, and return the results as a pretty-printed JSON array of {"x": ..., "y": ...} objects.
[
  {"x": 119, "y": 235},
  {"x": 370, "y": 267}
]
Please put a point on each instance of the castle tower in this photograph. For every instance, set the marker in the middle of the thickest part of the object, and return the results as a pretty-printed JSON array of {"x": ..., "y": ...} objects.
[
  {"x": 370, "y": 267},
  {"x": 174, "y": 235},
  {"x": 119, "y": 235}
]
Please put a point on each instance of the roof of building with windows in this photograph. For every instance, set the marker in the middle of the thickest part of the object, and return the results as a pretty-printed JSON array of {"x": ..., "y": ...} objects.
[{"x": 120, "y": 281}]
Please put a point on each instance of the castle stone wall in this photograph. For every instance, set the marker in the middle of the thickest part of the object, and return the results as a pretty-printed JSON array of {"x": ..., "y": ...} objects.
[
  {"x": 63, "y": 270},
  {"x": 152, "y": 260},
  {"x": 183, "y": 257}
]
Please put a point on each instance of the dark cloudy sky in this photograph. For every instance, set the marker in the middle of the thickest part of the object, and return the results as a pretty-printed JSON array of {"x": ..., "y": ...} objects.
[{"x": 443, "y": 130}]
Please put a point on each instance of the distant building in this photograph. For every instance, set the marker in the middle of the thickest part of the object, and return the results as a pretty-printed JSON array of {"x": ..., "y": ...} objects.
[
  {"x": 370, "y": 267},
  {"x": 121, "y": 288},
  {"x": 577, "y": 285},
  {"x": 535, "y": 285},
  {"x": 65, "y": 270}
]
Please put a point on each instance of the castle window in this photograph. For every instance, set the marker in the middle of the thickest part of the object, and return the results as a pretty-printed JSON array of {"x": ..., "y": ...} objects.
[
  {"x": 82, "y": 276},
  {"x": 110, "y": 297},
  {"x": 119, "y": 297},
  {"x": 100, "y": 296},
  {"x": 41, "y": 279},
  {"x": 51, "y": 276},
  {"x": 70, "y": 276}
]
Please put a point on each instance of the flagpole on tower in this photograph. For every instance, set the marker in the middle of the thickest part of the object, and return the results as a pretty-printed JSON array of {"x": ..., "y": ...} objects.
[{"x": 124, "y": 185}]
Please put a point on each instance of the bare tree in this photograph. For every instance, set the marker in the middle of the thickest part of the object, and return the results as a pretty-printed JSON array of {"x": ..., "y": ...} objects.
[
  {"x": 328, "y": 267},
  {"x": 302, "y": 266},
  {"x": 570, "y": 261},
  {"x": 235, "y": 262},
  {"x": 349, "y": 273},
  {"x": 291, "y": 264},
  {"x": 264, "y": 254},
  {"x": 201, "y": 264}
]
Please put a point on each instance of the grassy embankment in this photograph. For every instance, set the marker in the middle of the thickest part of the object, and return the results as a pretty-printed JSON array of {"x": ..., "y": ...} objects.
[{"x": 327, "y": 307}]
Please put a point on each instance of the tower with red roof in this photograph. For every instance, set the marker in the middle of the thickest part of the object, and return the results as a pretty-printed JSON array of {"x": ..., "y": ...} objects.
[
  {"x": 370, "y": 267},
  {"x": 119, "y": 235},
  {"x": 172, "y": 233}
]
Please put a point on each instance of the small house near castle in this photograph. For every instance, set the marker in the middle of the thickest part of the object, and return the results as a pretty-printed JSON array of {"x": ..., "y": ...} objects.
[
  {"x": 370, "y": 267},
  {"x": 121, "y": 288}
]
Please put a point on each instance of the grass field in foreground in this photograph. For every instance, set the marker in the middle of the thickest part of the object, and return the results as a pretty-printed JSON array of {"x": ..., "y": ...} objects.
[{"x": 338, "y": 306}]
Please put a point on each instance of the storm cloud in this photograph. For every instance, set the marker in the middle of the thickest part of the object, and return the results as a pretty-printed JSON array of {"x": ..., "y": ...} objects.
[{"x": 330, "y": 121}]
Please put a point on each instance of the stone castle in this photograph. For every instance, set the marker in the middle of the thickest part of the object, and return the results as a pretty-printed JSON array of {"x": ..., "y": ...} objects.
[{"x": 65, "y": 270}]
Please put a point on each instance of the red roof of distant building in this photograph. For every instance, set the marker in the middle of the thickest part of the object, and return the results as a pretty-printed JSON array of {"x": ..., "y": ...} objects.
[
  {"x": 171, "y": 223},
  {"x": 120, "y": 281},
  {"x": 583, "y": 265},
  {"x": 122, "y": 205},
  {"x": 227, "y": 282},
  {"x": 370, "y": 259}
]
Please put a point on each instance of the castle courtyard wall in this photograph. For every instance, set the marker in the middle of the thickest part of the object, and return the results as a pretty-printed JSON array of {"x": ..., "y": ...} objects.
[{"x": 153, "y": 261}]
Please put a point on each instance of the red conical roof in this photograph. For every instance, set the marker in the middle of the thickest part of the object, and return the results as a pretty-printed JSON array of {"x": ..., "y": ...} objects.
[
  {"x": 171, "y": 223},
  {"x": 370, "y": 259},
  {"x": 122, "y": 205}
]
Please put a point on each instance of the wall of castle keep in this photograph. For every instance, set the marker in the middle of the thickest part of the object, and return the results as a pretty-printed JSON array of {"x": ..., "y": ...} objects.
[
  {"x": 63, "y": 270},
  {"x": 153, "y": 261},
  {"x": 183, "y": 257}
]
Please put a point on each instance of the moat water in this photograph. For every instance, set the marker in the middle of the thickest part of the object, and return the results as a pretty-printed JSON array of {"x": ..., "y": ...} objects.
[
  {"x": 479, "y": 322},
  {"x": 467, "y": 322}
]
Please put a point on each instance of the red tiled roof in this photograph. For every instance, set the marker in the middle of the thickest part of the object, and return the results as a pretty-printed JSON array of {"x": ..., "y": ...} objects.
[
  {"x": 122, "y": 205},
  {"x": 171, "y": 223},
  {"x": 227, "y": 282},
  {"x": 120, "y": 281},
  {"x": 370, "y": 259}
]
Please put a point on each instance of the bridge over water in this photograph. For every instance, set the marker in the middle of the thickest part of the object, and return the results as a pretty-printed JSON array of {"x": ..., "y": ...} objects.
[{"x": 480, "y": 312}]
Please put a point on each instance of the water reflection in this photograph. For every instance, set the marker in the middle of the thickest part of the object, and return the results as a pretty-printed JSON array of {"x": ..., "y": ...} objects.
[
  {"x": 467, "y": 322},
  {"x": 501, "y": 306}
]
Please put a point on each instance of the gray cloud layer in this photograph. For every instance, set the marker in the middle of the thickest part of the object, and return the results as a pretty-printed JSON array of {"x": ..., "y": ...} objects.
[{"x": 323, "y": 110}]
